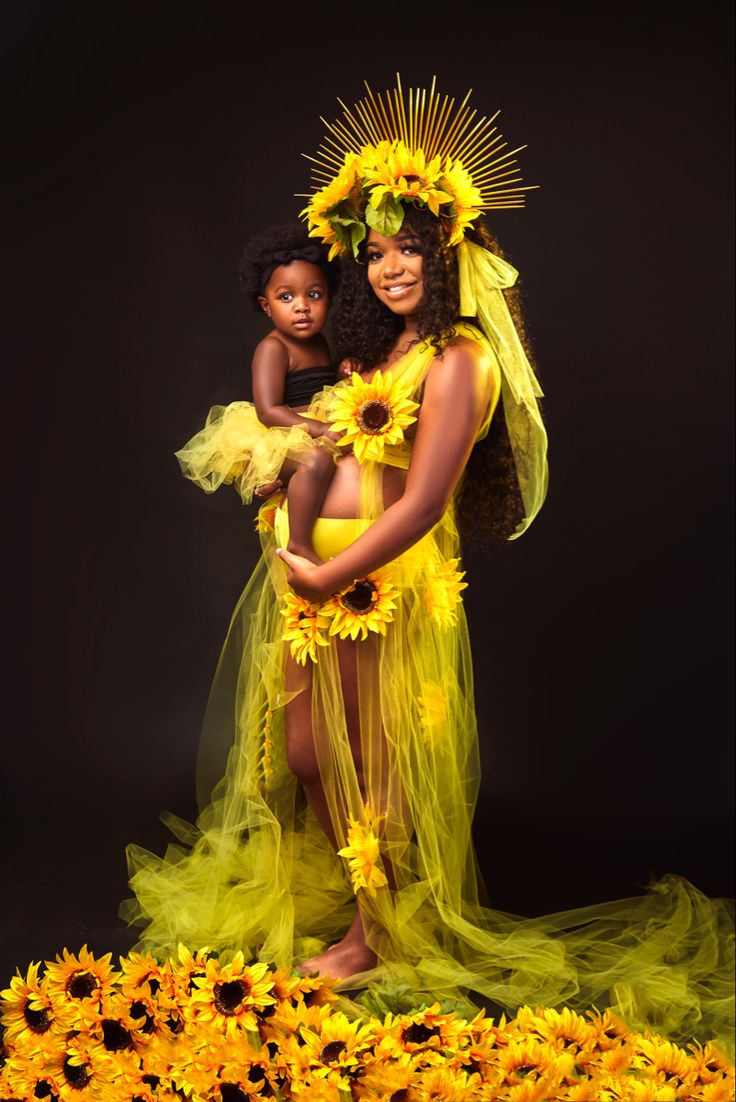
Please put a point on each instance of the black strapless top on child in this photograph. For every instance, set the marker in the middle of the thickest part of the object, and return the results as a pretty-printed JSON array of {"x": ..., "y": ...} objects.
[{"x": 301, "y": 386}]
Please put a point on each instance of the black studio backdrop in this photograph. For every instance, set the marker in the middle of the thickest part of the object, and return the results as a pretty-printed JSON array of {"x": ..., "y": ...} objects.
[{"x": 145, "y": 142}]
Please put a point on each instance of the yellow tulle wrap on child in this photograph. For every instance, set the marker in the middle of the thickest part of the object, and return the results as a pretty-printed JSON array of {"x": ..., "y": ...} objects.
[{"x": 234, "y": 447}]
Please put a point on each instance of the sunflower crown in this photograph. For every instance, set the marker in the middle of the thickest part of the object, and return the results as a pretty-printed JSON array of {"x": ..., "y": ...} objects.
[{"x": 385, "y": 153}]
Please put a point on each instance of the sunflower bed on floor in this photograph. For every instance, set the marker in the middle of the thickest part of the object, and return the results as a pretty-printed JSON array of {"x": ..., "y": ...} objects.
[{"x": 199, "y": 1028}]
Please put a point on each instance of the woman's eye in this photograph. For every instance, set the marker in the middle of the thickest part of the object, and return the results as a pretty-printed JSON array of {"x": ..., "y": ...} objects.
[
  {"x": 372, "y": 256},
  {"x": 411, "y": 250}
]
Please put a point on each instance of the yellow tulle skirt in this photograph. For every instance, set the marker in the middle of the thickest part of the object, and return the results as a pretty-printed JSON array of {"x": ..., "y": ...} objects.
[
  {"x": 234, "y": 447},
  {"x": 257, "y": 872}
]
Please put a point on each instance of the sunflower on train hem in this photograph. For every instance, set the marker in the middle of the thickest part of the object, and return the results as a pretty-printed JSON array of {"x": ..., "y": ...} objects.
[
  {"x": 362, "y": 853},
  {"x": 372, "y": 414},
  {"x": 304, "y": 627},
  {"x": 367, "y": 605}
]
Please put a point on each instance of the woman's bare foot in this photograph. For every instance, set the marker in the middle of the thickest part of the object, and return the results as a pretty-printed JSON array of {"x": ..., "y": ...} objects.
[
  {"x": 345, "y": 958},
  {"x": 340, "y": 961}
]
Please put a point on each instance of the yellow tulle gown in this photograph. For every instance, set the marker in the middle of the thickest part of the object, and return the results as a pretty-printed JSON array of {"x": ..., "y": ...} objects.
[{"x": 257, "y": 872}]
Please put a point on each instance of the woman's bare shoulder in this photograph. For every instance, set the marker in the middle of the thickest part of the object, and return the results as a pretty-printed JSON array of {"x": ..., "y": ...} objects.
[{"x": 462, "y": 355}]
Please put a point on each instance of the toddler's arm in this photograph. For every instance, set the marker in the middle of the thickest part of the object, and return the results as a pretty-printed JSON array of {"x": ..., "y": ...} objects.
[{"x": 268, "y": 369}]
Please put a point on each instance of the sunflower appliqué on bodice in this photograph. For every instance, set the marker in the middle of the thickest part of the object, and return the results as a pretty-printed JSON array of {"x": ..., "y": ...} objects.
[{"x": 372, "y": 414}]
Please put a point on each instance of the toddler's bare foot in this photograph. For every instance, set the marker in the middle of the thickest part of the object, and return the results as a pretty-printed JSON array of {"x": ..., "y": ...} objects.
[
  {"x": 346, "y": 958},
  {"x": 304, "y": 550}
]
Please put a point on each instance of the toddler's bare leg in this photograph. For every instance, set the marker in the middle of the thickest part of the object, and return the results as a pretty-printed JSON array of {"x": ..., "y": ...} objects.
[{"x": 307, "y": 489}]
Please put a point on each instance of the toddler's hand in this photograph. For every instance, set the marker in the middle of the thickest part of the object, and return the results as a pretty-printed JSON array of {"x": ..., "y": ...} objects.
[
  {"x": 332, "y": 435},
  {"x": 347, "y": 367},
  {"x": 269, "y": 488}
]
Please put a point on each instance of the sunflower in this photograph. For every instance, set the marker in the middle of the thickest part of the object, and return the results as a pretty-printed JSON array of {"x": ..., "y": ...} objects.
[
  {"x": 27, "y": 1010},
  {"x": 609, "y": 1031},
  {"x": 465, "y": 197},
  {"x": 142, "y": 975},
  {"x": 368, "y": 605},
  {"x": 303, "y": 629},
  {"x": 371, "y": 415},
  {"x": 334, "y": 212},
  {"x": 444, "y": 584},
  {"x": 662, "y": 1060},
  {"x": 22, "y": 1078},
  {"x": 84, "y": 1071},
  {"x": 432, "y": 702},
  {"x": 362, "y": 852},
  {"x": 72, "y": 980},
  {"x": 266, "y": 515},
  {"x": 388, "y": 1080},
  {"x": 394, "y": 172},
  {"x": 231, "y": 995},
  {"x": 529, "y": 1057},
  {"x": 338, "y": 1047},
  {"x": 564, "y": 1029},
  {"x": 447, "y": 1084}
]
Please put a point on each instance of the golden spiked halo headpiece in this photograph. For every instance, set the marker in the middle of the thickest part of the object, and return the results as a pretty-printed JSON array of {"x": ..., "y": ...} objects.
[{"x": 389, "y": 150}]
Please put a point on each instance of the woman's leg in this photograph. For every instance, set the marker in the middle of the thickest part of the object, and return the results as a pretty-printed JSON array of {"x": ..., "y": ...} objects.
[{"x": 351, "y": 954}]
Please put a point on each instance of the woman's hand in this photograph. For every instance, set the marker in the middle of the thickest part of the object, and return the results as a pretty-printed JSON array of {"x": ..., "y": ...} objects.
[{"x": 305, "y": 577}]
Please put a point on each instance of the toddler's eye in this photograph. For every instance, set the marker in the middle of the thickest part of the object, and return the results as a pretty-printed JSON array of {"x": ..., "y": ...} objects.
[
  {"x": 315, "y": 294},
  {"x": 286, "y": 296}
]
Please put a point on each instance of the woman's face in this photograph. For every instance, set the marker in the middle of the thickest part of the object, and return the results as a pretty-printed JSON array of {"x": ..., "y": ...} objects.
[{"x": 395, "y": 271}]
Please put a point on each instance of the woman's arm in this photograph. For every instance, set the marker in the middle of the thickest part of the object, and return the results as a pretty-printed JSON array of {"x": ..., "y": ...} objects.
[
  {"x": 456, "y": 397},
  {"x": 268, "y": 371}
]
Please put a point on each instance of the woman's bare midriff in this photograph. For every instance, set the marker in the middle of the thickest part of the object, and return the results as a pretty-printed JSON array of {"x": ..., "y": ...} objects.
[{"x": 343, "y": 495}]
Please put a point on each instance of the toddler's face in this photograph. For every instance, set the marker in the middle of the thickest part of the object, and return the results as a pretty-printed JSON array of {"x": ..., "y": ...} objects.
[{"x": 296, "y": 299}]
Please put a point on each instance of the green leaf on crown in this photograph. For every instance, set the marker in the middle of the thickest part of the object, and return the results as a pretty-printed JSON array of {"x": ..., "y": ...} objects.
[
  {"x": 387, "y": 217},
  {"x": 358, "y": 231}
]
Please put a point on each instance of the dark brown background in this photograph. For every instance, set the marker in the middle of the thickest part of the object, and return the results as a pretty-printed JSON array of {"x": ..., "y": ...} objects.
[{"x": 145, "y": 143}]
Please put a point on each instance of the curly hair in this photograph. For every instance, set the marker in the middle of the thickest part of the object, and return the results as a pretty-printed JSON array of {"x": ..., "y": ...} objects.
[
  {"x": 258, "y": 255},
  {"x": 488, "y": 504}
]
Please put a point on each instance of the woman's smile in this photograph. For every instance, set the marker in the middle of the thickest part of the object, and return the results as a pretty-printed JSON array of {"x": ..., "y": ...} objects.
[{"x": 395, "y": 272}]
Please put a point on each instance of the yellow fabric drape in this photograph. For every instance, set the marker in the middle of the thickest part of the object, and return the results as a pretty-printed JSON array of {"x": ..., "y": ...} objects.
[{"x": 483, "y": 276}]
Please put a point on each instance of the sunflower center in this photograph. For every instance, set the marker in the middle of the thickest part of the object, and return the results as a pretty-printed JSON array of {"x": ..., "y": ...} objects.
[
  {"x": 115, "y": 1036},
  {"x": 76, "y": 1075},
  {"x": 399, "y": 1096},
  {"x": 229, "y": 996},
  {"x": 373, "y": 416},
  {"x": 43, "y": 1089},
  {"x": 360, "y": 598},
  {"x": 418, "y": 1033},
  {"x": 37, "y": 1020},
  {"x": 82, "y": 985},
  {"x": 138, "y": 1010},
  {"x": 524, "y": 1069},
  {"x": 231, "y": 1092},
  {"x": 332, "y": 1051}
]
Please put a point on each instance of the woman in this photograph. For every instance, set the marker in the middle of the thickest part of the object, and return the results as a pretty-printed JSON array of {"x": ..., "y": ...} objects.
[{"x": 350, "y": 681}]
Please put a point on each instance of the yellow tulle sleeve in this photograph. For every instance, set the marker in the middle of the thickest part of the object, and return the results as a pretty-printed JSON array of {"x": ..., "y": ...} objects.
[{"x": 234, "y": 447}]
